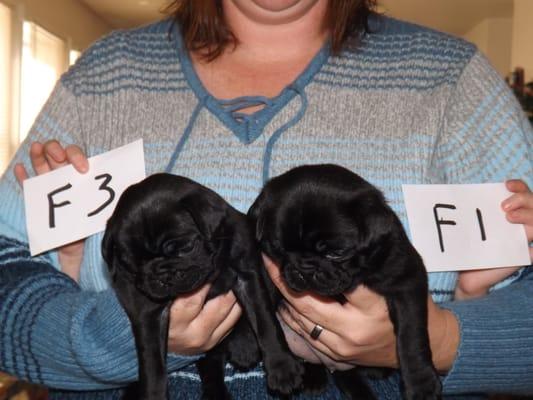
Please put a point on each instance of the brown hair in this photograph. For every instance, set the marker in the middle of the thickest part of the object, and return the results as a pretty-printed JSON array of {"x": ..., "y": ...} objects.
[{"x": 204, "y": 28}]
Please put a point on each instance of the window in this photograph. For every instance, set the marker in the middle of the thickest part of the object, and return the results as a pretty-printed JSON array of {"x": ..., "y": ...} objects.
[
  {"x": 5, "y": 84},
  {"x": 73, "y": 55},
  {"x": 31, "y": 61},
  {"x": 44, "y": 59}
]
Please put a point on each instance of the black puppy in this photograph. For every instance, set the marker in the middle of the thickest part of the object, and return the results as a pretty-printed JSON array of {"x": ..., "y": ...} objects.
[
  {"x": 330, "y": 230},
  {"x": 169, "y": 235}
]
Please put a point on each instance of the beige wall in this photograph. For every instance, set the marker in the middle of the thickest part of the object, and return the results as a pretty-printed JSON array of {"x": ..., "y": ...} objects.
[
  {"x": 494, "y": 37},
  {"x": 68, "y": 19},
  {"x": 522, "y": 50},
  {"x": 479, "y": 35}
]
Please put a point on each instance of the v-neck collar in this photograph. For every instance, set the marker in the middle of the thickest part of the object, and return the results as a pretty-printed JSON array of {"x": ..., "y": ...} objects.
[{"x": 252, "y": 127}]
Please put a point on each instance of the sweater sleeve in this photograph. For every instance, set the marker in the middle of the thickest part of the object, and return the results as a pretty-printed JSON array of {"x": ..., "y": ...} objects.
[
  {"x": 495, "y": 353},
  {"x": 52, "y": 331},
  {"x": 485, "y": 135},
  {"x": 487, "y": 138}
]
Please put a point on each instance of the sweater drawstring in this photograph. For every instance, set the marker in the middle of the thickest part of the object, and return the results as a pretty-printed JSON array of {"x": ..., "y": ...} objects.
[
  {"x": 233, "y": 106},
  {"x": 239, "y": 103},
  {"x": 249, "y": 131},
  {"x": 179, "y": 147},
  {"x": 267, "y": 156}
]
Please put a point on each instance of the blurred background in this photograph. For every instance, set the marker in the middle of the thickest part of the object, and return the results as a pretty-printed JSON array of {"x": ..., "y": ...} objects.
[{"x": 39, "y": 39}]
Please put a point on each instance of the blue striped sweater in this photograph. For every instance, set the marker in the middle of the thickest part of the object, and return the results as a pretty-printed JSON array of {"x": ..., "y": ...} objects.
[{"x": 409, "y": 105}]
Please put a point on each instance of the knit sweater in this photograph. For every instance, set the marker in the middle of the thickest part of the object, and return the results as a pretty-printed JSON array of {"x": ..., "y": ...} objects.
[{"x": 408, "y": 105}]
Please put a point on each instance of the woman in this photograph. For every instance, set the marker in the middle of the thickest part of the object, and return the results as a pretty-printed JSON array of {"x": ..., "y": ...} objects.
[{"x": 233, "y": 93}]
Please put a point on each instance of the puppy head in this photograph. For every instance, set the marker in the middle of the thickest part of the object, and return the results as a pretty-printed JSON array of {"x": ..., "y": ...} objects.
[
  {"x": 325, "y": 226},
  {"x": 162, "y": 236}
]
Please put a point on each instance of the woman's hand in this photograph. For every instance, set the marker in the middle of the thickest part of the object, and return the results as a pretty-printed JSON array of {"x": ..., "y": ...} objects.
[
  {"x": 519, "y": 207},
  {"x": 519, "y": 210},
  {"x": 359, "y": 331},
  {"x": 196, "y": 326},
  {"x": 45, "y": 158}
]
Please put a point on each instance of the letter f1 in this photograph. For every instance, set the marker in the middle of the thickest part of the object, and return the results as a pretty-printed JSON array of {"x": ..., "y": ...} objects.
[{"x": 441, "y": 221}]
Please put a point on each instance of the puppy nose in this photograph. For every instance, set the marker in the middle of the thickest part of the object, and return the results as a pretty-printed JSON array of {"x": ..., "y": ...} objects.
[
  {"x": 307, "y": 266},
  {"x": 162, "y": 268}
]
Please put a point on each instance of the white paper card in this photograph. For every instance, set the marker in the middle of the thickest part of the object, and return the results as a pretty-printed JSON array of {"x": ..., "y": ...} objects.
[
  {"x": 460, "y": 227},
  {"x": 63, "y": 205}
]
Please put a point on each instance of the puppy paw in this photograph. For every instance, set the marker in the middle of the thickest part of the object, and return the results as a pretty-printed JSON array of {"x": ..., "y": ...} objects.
[
  {"x": 315, "y": 379},
  {"x": 284, "y": 375},
  {"x": 243, "y": 354},
  {"x": 426, "y": 389},
  {"x": 244, "y": 360},
  {"x": 375, "y": 372},
  {"x": 131, "y": 392},
  {"x": 353, "y": 385},
  {"x": 222, "y": 395}
]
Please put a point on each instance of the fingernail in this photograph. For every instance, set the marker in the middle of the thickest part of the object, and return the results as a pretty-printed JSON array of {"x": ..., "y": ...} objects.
[
  {"x": 230, "y": 295},
  {"x": 57, "y": 154},
  {"x": 506, "y": 205}
]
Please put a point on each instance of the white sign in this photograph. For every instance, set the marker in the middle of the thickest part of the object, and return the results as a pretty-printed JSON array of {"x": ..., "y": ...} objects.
[
  {"x": 460, "y": 227},
  {"x": 63, "y": 205}
]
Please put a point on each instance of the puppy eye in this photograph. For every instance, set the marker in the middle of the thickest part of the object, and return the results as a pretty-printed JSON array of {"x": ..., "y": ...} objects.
[
  {"x": 178, "y": 248},
  {"x": 321, "y": 246}
]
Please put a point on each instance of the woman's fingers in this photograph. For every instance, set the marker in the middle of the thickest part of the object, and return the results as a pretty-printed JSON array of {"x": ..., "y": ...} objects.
[
  {"x": 519, "y": 207},
  {"x": 20, "y": 173},
  {"x": 521, "y": 211},
  {"x": 359, "y": 330},
  {"x": 303, "y": 327},
  {"x": 197, "y": 326},
  {"x": 188, "y": 306},
  {"x": 38, "y": 159},
  {"x": 225, "y": 327},
  {"x": 77, "y": 158},
  {"x": 366, "y": 300},
  {"x": 51, "y": 155},
  {"x": 55, "y": 154},
  {"x": 215, "y": 312},
  {"x": 516, "y": 185}
]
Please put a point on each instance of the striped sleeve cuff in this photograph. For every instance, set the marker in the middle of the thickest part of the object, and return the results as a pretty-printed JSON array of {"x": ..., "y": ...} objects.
[{"x": 495, "y": 353}]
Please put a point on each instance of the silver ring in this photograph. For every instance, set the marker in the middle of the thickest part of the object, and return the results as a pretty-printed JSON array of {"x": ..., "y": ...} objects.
[{"x": 315, "y": 333}]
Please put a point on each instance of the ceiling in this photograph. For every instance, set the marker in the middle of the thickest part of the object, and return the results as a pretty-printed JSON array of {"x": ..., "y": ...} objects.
[
  {"x": 127, "y": 13},
  {"x": 452, "y": 16}
]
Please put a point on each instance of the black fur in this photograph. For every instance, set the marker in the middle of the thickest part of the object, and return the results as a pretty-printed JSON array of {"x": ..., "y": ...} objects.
[
  {"x": 330, "y": 231},
  {"x": 169, "y": 235}
]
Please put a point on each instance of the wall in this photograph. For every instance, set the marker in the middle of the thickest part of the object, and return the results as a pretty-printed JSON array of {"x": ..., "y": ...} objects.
[
  {"x": 479, "y": 35},
  {"x": 501, "y": 39},
  {"x": 68, "y": 19},
  {"x": 494, "y": 38},
  {"x": 522, "y": 50}
]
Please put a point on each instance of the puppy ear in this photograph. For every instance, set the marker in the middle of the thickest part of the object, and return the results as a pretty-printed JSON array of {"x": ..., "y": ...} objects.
[
  {"x": 108, "y": 249},
  {"x": 256, "y": 215},
  {"x": 207, "y": 210},
  {"x": 376, "y": 221}
]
